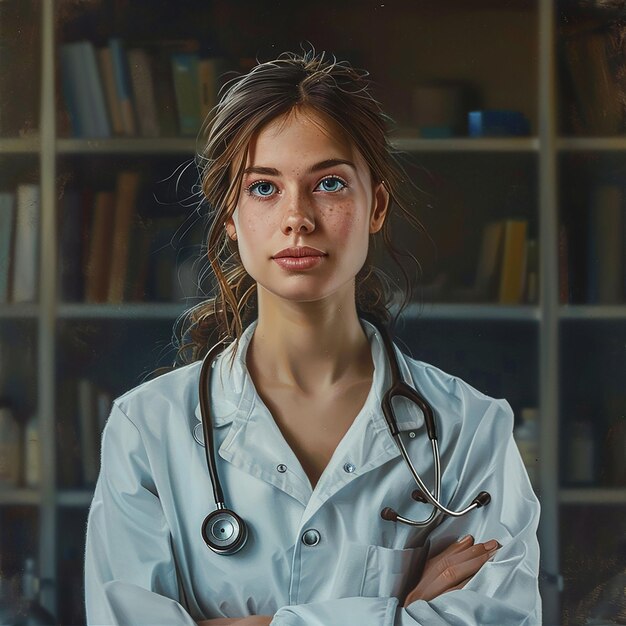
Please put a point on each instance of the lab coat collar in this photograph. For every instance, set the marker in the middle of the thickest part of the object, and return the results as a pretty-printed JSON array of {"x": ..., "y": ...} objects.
[{"x": 238, "y": 395}]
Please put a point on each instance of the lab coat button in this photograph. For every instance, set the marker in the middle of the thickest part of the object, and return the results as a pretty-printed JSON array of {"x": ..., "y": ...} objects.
[
  {"x": 282, "y": 468},
  {"x": 349, "y": 467},
  {"x": 311, "y": 537}
]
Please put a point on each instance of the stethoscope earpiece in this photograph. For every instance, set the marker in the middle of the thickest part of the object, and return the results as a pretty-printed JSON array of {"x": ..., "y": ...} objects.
[{"x": 224, "y": 531}]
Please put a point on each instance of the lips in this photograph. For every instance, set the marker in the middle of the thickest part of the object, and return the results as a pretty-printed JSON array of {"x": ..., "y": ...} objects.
[{"x": 298, "y": 252}]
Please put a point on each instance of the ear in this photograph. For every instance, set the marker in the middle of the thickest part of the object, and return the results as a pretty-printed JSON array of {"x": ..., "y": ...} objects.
[
  {"x": 230, "y": 228},
  {"x": 380, "y": 205}
]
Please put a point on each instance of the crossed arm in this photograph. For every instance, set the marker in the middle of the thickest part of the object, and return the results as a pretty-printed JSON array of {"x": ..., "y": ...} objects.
[{"x": 451, "y": 569}]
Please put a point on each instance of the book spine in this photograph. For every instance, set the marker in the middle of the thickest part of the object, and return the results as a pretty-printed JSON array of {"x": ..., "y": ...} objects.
[
  {"x": 186, "y": 86},
  {"x": 125, "y": 199},
  {"x": 108, "y": 78},
  {"x": 100, "y": 246},
  {"x": 93, "y": 81},
  {"x": 7, "y": 227},
  {"x": 143, "y": 88},
  {"x": 70, "y": 247},
  {"x": 26, "y": 239},
  {"x": 123, "y": 85},
  {"x": 513, "y": 262},
  {"x": 605, "y": 244},
  {"x": 69, "y": 86},
  {"x": 208, "y": 70}
]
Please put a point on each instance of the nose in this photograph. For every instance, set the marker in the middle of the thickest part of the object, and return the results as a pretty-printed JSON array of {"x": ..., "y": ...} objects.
[{"x": 298, "y": 214}]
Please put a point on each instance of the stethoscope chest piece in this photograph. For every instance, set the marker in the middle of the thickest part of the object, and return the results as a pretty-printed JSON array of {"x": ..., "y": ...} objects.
[{"x": 224, "y": 531}]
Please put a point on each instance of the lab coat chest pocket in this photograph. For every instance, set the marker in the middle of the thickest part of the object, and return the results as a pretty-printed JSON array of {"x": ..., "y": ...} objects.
[{"x": 390, "y": 572}]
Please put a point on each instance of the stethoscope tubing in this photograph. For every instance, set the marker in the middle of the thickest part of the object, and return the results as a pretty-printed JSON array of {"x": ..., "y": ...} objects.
[{"x": 223, "y": 520}]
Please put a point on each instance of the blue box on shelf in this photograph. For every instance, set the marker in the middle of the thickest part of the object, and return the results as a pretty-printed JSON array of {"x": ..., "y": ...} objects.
[{"x": 497, "y": 123}]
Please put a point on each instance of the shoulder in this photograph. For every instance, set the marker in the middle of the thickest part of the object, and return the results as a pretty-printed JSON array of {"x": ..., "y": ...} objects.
[
  {"x": 169, "y": 397},
  {"x": 458, "y": 403}
]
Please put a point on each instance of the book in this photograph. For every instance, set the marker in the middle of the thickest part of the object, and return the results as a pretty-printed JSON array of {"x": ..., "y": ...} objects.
[
  {"x": 125, "y": 199},
  {"x": 26, "y": 247},
  {"x": 487, "y": 271},
  {"x": 165, "y": 96},
  {"x": 597, "y": 100},
  {"x": 105, "y": 59},
  {"x": 513, "y": 268},
  {"x": 187, "y": 89},
  {"x": 143, "y": 88},
  {"x": 92, "y": 83},
  {"x": 76, "y": 98},
  {"x": 604, "y": 260},
  {"x": 7, "y": 226},
  {"x": 123, "y": 86},
  {"x": 209, "y": 74},
  {"x": 70, "y": 228},
  {"x": 531, "y": 291},
  {"x": 83, "y": 91},
  {"x": 100, "y": 247}
]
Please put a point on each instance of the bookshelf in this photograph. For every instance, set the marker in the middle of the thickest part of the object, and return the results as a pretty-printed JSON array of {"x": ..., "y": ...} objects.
[{"x": 525, "y": 352}]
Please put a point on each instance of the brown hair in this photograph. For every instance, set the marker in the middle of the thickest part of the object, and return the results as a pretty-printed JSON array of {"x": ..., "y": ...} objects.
[{"x": 250, "y": 101}]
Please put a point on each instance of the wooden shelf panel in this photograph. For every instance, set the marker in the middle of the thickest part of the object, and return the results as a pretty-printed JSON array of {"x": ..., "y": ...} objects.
[
  {"x": 19, "y": 311},
  {"x": 593, "y": 495},
  {"x": 593, "y": 312},
  {"x": 20, "y": 145},
  {"x": 19, "y": 496}
]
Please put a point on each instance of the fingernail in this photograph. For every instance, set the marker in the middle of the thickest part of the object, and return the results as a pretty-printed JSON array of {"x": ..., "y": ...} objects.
[
  {"x": 491, "y": 545},
  {"x": 464, "y": 538}
]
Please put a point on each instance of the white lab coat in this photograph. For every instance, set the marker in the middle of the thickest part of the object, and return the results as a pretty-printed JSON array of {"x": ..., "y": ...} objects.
[{"x": 146, "y": 561}]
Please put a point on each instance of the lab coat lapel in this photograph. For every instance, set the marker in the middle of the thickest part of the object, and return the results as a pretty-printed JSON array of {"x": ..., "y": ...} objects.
[{"x": 255, "y": 444}]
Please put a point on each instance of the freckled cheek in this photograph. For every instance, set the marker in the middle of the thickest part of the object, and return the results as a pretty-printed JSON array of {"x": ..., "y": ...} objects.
[{"x": 342, "y": 220}]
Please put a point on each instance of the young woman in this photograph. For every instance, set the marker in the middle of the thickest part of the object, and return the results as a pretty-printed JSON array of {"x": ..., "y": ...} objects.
[{"x": 306, "y": 525}]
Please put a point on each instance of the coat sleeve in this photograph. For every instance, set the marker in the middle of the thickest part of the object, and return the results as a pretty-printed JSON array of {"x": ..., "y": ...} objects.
[
  {"x": 130, "y": 573},
  {"x": 505, "y": 590}
]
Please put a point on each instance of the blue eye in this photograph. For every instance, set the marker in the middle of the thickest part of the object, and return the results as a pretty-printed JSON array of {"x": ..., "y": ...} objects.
[
  {"x": 332, "y": 184},
  {"x": 263, "y": 187}
]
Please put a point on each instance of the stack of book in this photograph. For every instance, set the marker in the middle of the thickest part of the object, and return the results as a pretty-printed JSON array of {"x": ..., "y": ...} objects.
[
  {"x": 108, "y": 252},
  {"x": 507, "y": 270},
  {"x": 157, "y": 90}
]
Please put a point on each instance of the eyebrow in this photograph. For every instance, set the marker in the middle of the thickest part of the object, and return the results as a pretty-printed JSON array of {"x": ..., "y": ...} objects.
[{"x": 322, "y": 165}]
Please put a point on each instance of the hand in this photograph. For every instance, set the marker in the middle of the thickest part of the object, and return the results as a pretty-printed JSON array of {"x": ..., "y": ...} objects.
[{"x": 452, "y": 568}]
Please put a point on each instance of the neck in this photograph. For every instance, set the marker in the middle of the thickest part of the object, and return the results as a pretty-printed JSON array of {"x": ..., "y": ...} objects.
[{"x": 308, "y": 347}]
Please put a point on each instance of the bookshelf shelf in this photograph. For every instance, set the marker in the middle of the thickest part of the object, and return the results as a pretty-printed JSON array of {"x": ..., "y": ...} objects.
[
  {"x": 593, "y": 495},
  {"x": 17, "y": 497},
  {"x": 593, "y": 312},
  {"x": 74, "y": 497},
  {"x": 466, "y": 144},
  {"x": 139, "y": 145},
  {"x": 19, "y": 311},
  {"x": 20, "y": 145},
  {"x": 477, "y": 312},
  {"x": 182, "y": 145},
  {"x": 586, "y": 144},
  {"x": 139, "y": 310}
]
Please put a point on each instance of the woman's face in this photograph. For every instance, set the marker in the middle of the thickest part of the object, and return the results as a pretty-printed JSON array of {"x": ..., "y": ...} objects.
[{"x": 304, "y": 184}]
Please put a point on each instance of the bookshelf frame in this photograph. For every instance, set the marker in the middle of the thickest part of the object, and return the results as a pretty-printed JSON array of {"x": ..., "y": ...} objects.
[{"x": 547, "y": 314}]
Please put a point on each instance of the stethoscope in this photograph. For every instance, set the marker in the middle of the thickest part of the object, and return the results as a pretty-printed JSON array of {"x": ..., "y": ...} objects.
[{"x": 226, "y": 533}]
